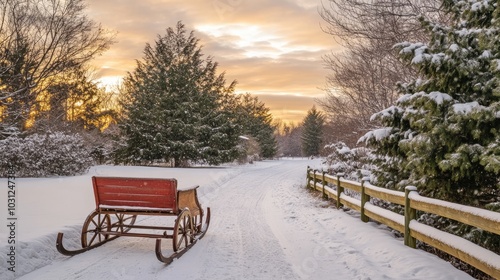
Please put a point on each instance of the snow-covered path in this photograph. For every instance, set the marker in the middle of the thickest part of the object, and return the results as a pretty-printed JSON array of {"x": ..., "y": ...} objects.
[{"x": 265, "y": 225}]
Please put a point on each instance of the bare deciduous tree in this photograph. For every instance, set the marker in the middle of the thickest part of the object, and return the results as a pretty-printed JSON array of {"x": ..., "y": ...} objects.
[
  {"x": 362, "y": 81},
  {"x": 363, "y": 78},
  {"x": 40, "y": 41},
  {"x": 352, "y": 22}
]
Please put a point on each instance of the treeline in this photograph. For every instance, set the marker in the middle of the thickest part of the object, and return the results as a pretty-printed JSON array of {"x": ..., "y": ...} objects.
[{"x": 172, "y": 109}]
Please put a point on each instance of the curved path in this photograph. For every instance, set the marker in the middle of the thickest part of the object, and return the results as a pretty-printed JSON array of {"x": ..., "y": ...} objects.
[{"x": 265, "y": 225}]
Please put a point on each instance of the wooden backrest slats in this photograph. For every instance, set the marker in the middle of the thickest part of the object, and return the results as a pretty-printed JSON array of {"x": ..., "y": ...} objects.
[{"x": 135, "y": 192}]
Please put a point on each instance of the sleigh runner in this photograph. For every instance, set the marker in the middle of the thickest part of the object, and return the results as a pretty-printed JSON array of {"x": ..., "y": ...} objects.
[{"x": 120, "y": 200}]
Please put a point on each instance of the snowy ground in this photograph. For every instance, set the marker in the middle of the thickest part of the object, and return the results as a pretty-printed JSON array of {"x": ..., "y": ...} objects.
[{"x": 265, "y": 225}]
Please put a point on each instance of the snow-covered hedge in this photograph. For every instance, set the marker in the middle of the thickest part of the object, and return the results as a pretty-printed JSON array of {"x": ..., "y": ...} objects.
[{"x": 42, "y": 155}]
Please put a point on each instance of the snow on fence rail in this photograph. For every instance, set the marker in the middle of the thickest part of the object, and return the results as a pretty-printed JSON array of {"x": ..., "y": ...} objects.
[{"x": 479, "y": 257}]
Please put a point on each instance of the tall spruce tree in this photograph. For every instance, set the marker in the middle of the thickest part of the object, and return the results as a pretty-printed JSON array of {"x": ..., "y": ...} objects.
[
  {"x": 175, "y": 106},
  {"x": 312, "y": 133},
  {"x": 443, "y": 133}
]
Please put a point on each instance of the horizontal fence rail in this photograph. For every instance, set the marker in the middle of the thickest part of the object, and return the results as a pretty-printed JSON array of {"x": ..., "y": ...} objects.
[{"x": 475, "y": 255}]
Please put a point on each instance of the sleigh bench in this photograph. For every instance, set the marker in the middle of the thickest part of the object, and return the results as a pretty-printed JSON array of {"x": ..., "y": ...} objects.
[{"x": 120, "y": 200}]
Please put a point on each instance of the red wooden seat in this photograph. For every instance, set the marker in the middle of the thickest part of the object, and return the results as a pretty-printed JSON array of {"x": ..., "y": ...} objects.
[{"x": 121, "y": 193}]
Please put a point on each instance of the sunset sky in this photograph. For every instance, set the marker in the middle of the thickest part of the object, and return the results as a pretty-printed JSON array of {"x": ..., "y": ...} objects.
[{"x": 272, "y": 48}]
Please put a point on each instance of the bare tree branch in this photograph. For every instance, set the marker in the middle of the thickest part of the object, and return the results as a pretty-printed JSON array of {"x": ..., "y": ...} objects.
[
  {"x": 363, "y": 79},
  {"x": 40, "y": 41}
]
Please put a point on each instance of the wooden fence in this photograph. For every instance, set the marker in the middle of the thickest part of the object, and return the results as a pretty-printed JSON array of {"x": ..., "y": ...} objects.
[{"x": 479, "y": 257}]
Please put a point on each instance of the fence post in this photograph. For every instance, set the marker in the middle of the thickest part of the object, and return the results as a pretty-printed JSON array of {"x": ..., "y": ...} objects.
[
  {"x": 410, "y": 214},
  {"x": 308, "y": 177},
  {"x": 314, "y": 179},
  {"x": 340, "y": 190},
  {"x": 364, "y": 199},
  {"x": 324, "y": 184}
]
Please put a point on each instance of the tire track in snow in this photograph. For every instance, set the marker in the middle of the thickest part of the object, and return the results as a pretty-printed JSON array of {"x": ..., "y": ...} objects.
[{"x": 243, "y": 244}]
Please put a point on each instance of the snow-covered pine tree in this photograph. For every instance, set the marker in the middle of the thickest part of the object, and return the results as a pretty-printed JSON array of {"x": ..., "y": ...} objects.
[
  {"x": 312, "y": 133},
  {"x": 443, "y": 133},
  {"x": 256, "y": 121},
  {"x": 175, "y": 106}
]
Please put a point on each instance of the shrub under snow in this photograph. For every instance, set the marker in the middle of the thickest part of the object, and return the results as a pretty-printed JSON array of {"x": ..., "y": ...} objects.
[
  {"x": 354, "y": 163},
  {"x": 42, "y": 155}
]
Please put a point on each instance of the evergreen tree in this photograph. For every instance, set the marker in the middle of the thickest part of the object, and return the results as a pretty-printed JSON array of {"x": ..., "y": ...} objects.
[
  {"x": 312, "y": 133},
  {"x": 175, "y": 106},
  {"x": 256, "y": 121},
  {"x": 443, "y": 133}
]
